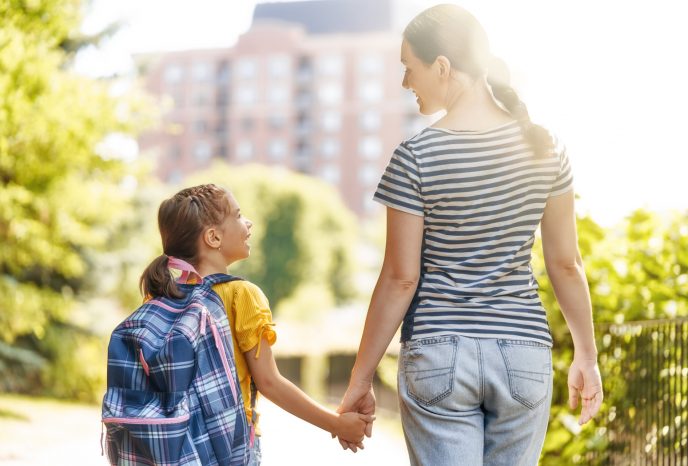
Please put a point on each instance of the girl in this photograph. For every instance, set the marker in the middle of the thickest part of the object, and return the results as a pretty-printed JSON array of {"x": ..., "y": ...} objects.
[
  {"x": 204, "y": 227},
  {"x": 464, "y": 198}
]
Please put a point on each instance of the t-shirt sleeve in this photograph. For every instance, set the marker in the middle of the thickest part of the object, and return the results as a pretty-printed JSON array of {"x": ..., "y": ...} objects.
[
  {"x": 563, "y": 183},
  {"x": 253, "y": 317},
  {"x": 400, "y": 186}
]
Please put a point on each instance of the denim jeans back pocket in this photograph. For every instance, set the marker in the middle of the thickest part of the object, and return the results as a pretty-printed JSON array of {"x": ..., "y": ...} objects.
[
  {"x": 529, "y": 366},
  {"x": 429, "y": 368}
]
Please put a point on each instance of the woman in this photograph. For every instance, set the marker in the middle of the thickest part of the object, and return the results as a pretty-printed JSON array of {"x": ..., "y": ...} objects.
[{"x": 464, "y": 198}]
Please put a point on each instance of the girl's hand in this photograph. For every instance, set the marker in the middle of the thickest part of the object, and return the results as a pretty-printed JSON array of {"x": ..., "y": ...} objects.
[
  {"x": 359, "y": 397},
  {"x": 585, "y": 382},
  {"x": 350, "y": 427}
]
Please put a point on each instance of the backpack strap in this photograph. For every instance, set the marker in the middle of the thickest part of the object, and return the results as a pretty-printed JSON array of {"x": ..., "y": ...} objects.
[
  {"x": 215, "y": 278},
  {"x": 187, "y": 269}
]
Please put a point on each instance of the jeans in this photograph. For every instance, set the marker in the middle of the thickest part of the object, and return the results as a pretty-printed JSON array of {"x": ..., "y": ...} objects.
[{"x": 473, "y": 401}]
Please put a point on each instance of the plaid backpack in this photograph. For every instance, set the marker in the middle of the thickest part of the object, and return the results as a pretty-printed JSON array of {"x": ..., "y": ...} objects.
[{"x": 172, "y": 396}]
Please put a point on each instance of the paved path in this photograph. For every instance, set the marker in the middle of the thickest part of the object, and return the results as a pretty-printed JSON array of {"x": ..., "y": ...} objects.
[{"x": 44, "y": 432}]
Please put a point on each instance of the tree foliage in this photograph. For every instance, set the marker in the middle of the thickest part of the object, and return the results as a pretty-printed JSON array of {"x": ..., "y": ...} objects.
[
  {"x": 60, "y": 201},
  {"x": 637, "y": 271}
]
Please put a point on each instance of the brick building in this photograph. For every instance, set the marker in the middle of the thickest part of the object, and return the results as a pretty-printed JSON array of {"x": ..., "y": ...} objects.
[{"x": 314, "y": 86}]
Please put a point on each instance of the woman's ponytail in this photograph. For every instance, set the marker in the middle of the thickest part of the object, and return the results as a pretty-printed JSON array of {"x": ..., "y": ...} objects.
[
  {"x": 538, "y": 137},
  {"x": 157, "y": 280}
]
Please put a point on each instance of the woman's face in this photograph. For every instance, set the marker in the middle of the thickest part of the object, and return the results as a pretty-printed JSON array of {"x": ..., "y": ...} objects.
[{"x": 423, "y": 80}]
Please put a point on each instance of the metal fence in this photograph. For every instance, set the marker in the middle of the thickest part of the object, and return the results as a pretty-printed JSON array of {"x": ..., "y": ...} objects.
[{"x": 645, "y": 370}]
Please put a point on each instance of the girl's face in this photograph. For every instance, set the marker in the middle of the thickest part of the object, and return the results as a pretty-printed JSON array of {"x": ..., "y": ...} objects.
[
  {"x": 423, "y": 80},
  {"x": 235, "y": 232}
]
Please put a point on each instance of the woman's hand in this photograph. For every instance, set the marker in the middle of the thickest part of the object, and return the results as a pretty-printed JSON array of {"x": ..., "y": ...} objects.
[
  {"x": 360, "y": 398},
  {"x": 350, "y": 427},
  {"x": 585, "y": 382}
]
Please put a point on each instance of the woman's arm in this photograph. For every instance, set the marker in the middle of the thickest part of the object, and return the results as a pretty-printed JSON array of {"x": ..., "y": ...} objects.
[
  {"x": 565, "y": 270},
  {"x": 271, "y": 384},
  {"x": 393, "y": 292},
  {"x": 391, "y": 298}
]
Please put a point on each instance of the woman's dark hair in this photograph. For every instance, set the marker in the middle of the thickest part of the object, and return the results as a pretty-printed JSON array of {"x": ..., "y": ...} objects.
[
  {"x": 181, "y": 220},
  {"x": 450, "y": 31}
]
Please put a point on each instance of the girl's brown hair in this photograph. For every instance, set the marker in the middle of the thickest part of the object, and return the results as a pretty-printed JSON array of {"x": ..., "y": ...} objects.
[
  {"x": 451, "y": 31},
  {"x": 181, "y": 220}
]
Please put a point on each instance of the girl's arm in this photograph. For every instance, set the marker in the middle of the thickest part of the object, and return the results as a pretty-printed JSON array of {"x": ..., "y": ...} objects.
[
  {"x": 565, "y": 270},
  {"x": 390, "y": 301},
  {"x": 271, "y": 384}
]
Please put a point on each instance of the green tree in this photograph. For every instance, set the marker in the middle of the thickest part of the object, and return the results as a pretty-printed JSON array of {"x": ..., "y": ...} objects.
[
  {"x": 60, "y": 201},
  {"x": 636, "y": 271}
]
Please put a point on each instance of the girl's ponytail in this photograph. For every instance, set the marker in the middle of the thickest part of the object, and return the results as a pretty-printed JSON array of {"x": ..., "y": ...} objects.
[
  {"x": 157, "y": 280},
  {"x": 538, "y": 137}
]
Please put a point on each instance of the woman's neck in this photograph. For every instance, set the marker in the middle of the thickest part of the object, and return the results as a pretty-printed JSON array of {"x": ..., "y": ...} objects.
[{"x": 472, "y": 108}]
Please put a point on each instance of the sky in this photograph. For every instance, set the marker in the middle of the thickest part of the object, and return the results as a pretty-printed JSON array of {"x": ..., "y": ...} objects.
[{"x": 609, "y": 78}]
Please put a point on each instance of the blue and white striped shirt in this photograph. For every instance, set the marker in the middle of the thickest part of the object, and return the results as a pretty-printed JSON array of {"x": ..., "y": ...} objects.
[{"x": 482, "y": 195}]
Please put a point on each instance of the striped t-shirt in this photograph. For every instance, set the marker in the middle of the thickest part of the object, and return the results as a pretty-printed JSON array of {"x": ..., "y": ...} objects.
[{"x": 482, "y": 195}]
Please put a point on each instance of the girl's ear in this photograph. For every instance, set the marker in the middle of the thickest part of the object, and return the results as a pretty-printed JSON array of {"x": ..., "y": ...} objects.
[{"x": 211, "y": 238}]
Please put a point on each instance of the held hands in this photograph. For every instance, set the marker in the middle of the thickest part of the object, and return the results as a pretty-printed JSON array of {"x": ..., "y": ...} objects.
[
  {"x": 359, "y": 398},
  {"x": 585, "y": 382},
  {"x": 350, "y": 427}
]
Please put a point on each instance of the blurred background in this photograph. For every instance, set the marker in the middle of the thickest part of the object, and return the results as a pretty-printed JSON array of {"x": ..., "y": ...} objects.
[{"x": 106, "y": 108}]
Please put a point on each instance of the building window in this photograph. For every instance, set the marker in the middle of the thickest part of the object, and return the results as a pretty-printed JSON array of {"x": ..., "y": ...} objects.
[
  {"x": 278, "y": 94},
  {"x": 173, "y": 73},
  {"x": 247, "y": 124},
  {"x": 201, "y": 99},
  {"x": 201, "y": 72},
  {"x": 222, "y": 151},
  {"x": 303, "y": 150},
  {"x": 202, "y": 151},
  {"x": 244, "y": 150},
  {"x": 331, "y": 121},
  {"x": 331, "y": 174},
  {"x": 277, "y": 121},
  {"x": 304, "y": 98},
  {"x": 223, "y": 72},
  {"x": 331, "y": 65},
  {"x": 277, "y": 149},
  {"x": 303, "y": 124},
  {"x": 370, "y": 120},
  {"x": 246, "y": 95},
  {"x": 304, "y": 73},
  {"x": 370, "y": 147},
  {"x": 279, "y": 66},
  {"x": 330, "y": 148},
  {"x": 246, "y": 68},
  {"x": 330, "y": 94},
  {"x": 221, "y": 127},
  {"x": 222, "y": 98},
  {"x": 371, "y": 91},
  {"x": 371, "y": 64},
  {"x": 200, "y": 127}
]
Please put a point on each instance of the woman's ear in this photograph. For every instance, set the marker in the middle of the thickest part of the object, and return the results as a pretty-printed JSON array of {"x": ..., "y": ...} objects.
[{"x": 443, "y": 66}]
